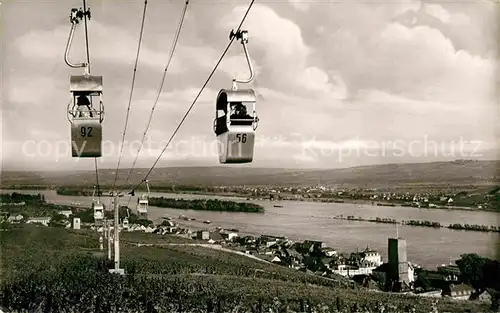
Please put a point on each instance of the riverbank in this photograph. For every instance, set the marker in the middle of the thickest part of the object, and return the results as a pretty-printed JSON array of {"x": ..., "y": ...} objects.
[
  {"x": 420, "y": 223},
  {"x": 302, "y": 220},
  {"x": 300, "y": 198},
  {"x": 467, "y": 198},
  {"x": 339, "y": 200}
]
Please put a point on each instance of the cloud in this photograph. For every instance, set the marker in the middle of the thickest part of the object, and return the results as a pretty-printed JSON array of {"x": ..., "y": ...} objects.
[
  {"x": 237, "y": 67},
  {"x": 169, "y": 111},
  {"x": 344, "y": 153},
  {"x": 416, "y": 62},
  {"x": 285, "y": 56},
  {"x": 444, "y": 16},
  {"x": 406, "y": 6},
  {"x": 111, "y": 45},
  {"x": 470, "y": 26},
  {"x": 315, "y": 79},
  {"x": 372, "y": 45},
  {"x": 422, "y": 62},
  {"x": 45, "y": 134},
  {"x": 33, "y": 91},
  {"x": 369, "y": 76},
  {"x": 300, "y": 5}
]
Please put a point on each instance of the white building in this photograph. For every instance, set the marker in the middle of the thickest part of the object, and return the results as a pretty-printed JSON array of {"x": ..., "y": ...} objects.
[
  {"x": 76, "y": 223},
  {"x": 15, "y": 218},
  {"x": 66, "y": 213},
  {"x": 350, "y": 270},
  {"x": 229, "y": 235},
  {"x": 41, "y": 220},
  {"x": 125, "y": 224},
  {"x": 362, "y": 263},
  {"x": 329, "y": 252},
  {"x": 372, "y": 257}
]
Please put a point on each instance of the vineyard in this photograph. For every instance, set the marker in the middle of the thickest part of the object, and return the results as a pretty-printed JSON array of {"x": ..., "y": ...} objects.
[{"x": 58, "y": 270}]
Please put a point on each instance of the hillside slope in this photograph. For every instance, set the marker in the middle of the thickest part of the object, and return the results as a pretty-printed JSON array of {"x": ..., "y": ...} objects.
[{"x": 57, "y": 269}]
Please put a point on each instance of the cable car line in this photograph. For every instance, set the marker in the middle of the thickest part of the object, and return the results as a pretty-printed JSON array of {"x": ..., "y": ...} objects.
[
  {"x": 86, "y": 129},
  {"x": 86, "y": 34},
  {"x": 78, "y": 84},
  {"x": 129, "y": 199},
  {"x": 131, "y": 93},
  {"x": 87, "y": 48},
  {"x": 167, "y": 66},
  {"x": 232, "y": 38},
  {"x": 97, "y": 179}
]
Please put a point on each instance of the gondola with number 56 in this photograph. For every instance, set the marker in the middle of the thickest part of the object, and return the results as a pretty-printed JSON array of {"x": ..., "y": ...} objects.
[{"x": 233, "y": 125}]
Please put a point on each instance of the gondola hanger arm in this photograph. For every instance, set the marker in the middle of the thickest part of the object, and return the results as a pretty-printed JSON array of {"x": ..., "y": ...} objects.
[
  {"x": 242, "y": 35},
  {"x": 75, "y": 17}
]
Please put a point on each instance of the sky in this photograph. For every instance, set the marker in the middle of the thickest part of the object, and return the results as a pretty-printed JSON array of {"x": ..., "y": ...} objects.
[{"x": 339, "y": 83}]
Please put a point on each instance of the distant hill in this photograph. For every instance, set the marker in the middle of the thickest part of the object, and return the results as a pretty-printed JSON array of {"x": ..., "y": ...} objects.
[{"x": 456, "y": 172}]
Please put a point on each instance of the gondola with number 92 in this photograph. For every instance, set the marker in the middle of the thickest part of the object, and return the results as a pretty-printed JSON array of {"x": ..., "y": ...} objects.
[
  {"x": 85, "y": 109},
  {"x": 85, "y": 118}
]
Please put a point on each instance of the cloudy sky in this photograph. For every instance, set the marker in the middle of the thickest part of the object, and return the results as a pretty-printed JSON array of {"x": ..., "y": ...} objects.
[{"x": 340, "y": 83}]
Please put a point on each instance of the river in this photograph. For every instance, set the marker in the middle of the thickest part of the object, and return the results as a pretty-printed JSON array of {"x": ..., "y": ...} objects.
[{"x": 428, "y": 247}]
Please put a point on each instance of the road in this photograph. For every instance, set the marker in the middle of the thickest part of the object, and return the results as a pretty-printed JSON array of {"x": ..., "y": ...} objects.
[{"x": 209, "y": 246}]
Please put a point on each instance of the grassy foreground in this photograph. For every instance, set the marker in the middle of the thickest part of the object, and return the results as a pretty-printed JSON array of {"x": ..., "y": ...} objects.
[{"x": 58, "y": 270}]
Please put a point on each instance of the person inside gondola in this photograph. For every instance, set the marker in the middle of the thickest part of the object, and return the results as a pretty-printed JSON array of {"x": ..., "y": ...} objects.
[
  {"x": 240, "y": 113},
  {"x": 83, "y": 106}
]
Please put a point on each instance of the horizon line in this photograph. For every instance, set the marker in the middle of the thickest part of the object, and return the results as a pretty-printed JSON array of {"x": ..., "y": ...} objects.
[{"x": 248, "y": 167}]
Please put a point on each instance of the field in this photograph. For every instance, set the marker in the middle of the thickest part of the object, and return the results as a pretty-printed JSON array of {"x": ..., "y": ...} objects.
[{"x": 63, "y": 270}]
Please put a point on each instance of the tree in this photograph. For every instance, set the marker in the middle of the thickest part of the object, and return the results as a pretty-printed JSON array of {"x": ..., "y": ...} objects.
[
  {"x": 4, "y": 225},
  {"x": 491, "y": 274},
  {"x": 471, "y": 269},
  {"x": 58, "y": 220},
  {"x": 165, "y": 223},
  {"x": 58, "y": 217},
  {"x": 143, "y": 222},
  {"x": 423, "y": 280},
  {"x": 482, "y": 274},
  {"x": 314, "y": 264}
]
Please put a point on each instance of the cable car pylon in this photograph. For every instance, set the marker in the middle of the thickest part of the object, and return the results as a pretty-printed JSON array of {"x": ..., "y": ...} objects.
[{"x": 85, "y": 113}]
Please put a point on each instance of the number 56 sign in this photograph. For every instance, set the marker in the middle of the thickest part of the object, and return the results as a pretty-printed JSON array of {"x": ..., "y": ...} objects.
[{"x": 241, "y": 138}]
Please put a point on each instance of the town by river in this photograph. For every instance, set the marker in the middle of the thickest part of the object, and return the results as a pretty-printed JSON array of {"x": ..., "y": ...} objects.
[{"x": 428, "y": 247}]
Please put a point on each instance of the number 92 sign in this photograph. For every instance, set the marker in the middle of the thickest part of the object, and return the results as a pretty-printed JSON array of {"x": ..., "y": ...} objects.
[{"x": 86, "y": 131}]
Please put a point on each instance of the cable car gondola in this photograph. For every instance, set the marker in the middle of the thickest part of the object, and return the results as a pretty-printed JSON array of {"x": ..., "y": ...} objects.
[
  {"x": 233, "y": 125},
  {"x": 85, "y": 109},
  {"x": 125, "y": 222},
  {"x": 142, "y": 204},
  {"x": 142, "y": 207},
  {"x": 98, "y": 209},
  {"x": 86, "y": 117},
  {"x": 98, "y": 213}
]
